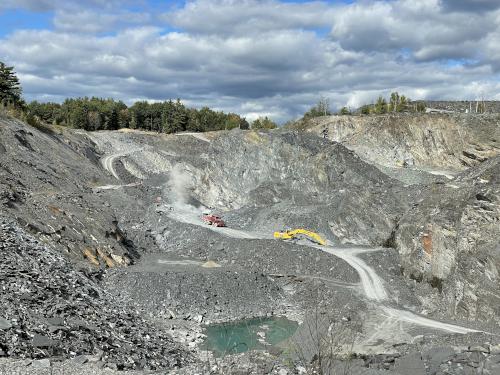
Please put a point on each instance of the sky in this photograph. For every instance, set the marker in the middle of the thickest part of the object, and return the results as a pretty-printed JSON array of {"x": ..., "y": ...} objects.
[{"x": 253, "y": 57}]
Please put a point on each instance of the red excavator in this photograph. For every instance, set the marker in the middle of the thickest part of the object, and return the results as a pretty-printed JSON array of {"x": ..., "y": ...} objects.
[{"x": 214, "y": 220}]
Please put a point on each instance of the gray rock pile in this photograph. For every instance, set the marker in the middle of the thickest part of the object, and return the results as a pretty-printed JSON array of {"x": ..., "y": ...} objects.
[
  {"x": 438, "y": 360},
  {"x": 51, "y": 310}
]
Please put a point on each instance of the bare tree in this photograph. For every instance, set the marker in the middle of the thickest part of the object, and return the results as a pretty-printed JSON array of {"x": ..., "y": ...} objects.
[
  {"x": 325, "y": 344},
  {"x": 324, "y": 106}
]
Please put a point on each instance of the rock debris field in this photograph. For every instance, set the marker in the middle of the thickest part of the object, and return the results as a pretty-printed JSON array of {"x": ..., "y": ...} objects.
[{"x": 107, "y": 266}]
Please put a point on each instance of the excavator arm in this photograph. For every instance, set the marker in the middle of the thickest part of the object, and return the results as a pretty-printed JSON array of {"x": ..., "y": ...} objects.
[{"x": 291, "y": 234}]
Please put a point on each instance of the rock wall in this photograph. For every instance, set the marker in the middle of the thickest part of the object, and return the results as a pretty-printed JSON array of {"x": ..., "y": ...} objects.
[
  {"x": 47, "y": 182},
  {"x": 451, "y": 239},
  {"x": 302, "y": 180},
  {"x": 438, "y": 141}
]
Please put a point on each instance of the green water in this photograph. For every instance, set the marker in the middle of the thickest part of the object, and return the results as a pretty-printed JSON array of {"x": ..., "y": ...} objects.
[{"x": 250, "y": 334}]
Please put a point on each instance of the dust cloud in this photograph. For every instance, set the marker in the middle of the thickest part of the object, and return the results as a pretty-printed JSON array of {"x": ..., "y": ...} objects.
[
  {"x": 179, "y": 188},
  {"x": 179, "y": 185}
]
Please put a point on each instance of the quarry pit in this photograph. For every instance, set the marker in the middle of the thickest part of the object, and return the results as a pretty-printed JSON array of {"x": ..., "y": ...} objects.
[{"x": 408, "y": 280}]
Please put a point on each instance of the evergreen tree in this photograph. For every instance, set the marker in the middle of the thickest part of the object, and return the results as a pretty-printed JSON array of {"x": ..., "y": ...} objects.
[
  {"x": 207, "y": 119},
  {"x": 179, "y": 117},
  {"x": 167, "y": 116},
  {"x": 124, "y": 118},
  {"x": 193, "y": 122},
  {"x": 114, "y": 120},
  {"x": 79, "y": 117},
  {"x": 403, "y": 104},
  {"x": 10, "y": 88},
  {"x": 365, "y": 110},
  {"x": 138, "y": 114}
]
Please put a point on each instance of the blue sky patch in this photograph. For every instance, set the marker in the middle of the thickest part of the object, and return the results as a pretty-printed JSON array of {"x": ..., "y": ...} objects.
[
  {"x": 20, "y": 19},
  {"x": 252, "y": 57}
]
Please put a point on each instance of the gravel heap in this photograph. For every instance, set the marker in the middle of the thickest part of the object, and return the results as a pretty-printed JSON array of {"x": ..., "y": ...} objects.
[{"x": 51, "y": 310}]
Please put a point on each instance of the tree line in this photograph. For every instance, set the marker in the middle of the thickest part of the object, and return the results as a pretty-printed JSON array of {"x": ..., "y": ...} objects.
[
  {"x": 163, "y": 117},
  {"x": 395, "y": 103},
  {"x": 108, "y": 114},
  {"x": 94, "y": 113}
]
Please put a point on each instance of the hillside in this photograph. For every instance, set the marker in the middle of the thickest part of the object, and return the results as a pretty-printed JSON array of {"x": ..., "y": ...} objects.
[
  {"x": 107, "y": 263},
  {"x": 434, "y": 141}
]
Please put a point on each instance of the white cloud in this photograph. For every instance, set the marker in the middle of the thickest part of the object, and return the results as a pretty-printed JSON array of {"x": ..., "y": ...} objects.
[
  {"x": 48, "y": 5},
  {"x": 424, "y": 27},
  {"x": 261, "y": 57},
  {"x": 471, "y": 5},
  {"x": 93, "y": 21},
  {"x": 250, "y": 17}
]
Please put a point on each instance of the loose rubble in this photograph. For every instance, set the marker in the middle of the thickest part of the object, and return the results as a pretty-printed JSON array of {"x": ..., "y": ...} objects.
[
  {"x": 107, "y": 266},
  {"x": 51, "y": 310}
]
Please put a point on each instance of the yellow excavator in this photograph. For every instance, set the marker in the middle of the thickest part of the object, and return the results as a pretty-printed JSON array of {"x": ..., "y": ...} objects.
[{"x": 297, "y": 233}]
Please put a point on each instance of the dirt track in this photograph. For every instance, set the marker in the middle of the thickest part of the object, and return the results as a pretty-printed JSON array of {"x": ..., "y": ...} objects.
[
  {"x": 131, "y": 198},
  {"x": 372, "y": 285}
]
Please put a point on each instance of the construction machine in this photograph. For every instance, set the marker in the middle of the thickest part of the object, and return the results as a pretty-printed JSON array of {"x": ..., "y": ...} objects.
[
  {"x": 214, "y": 220},
  {"x": 299, "y": 233}
]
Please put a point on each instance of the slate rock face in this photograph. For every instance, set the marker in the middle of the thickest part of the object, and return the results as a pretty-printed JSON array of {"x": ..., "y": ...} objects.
[
  {"x": 46, "y": 182},
  {"x": 446, "y": 142},
  {"x": 304, "y": 181},
  {"x": 451, "y": 239},
  {"x": 411, "y": 364}
]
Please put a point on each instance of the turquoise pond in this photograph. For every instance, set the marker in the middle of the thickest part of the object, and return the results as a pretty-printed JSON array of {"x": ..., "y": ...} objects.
[{"x": 249, "y": 334}]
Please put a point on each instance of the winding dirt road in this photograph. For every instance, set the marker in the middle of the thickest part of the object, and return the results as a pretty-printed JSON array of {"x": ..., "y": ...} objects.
[
  {"x": 108, "y": 161},
  {"x": 371, "y": 283},
  {"x": 200, "y": 136}
]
